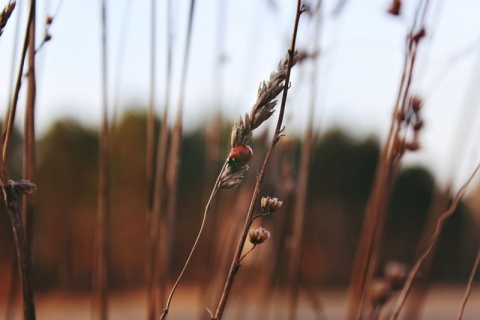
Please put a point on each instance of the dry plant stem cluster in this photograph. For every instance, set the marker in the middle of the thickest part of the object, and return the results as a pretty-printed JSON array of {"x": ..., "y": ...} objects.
[
  {"x": 276, "y": 137},
  {"x": 433, "y": 240},
  {"x": 10, "y": 188},
  {"x": 243, "y": 127},
  {"x": 403, "y": 137}
]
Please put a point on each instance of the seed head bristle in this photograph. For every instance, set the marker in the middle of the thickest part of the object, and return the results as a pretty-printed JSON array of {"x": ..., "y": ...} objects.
[
  {"x": 232, "y": 177},
  {"x": 22, "y": 187},
  {"x": 264, "y": 106},
  {"x": 5, "y": 15}
]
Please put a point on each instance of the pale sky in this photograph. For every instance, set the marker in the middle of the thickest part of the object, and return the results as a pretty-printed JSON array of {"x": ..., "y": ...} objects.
[{"x": 359, "y": 71}]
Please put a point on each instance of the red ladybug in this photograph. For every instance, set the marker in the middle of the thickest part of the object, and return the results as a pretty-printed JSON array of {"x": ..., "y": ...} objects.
[{"x": 239, "y": 156}]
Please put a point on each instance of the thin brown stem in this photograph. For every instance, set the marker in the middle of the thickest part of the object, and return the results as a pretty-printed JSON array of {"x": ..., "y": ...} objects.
[
  {"x": 157, "y": 260},
  {"x": 174, "y": 159},
  {"x": 150, "y": 172},
  {"x": 247, "y": 253},
  {"x": 302, "y": 185},
  {"x": 207, "y": 207},
  {"x": 29, "y": 132},
  {"x": 389, "y": 163},
  {"x": 433, "y": 240},
  {"x": 8, "y": 126},
  {"x": 22, "y": 251},
  {"x": 468, "y": 290},
  {"x": 101, "y": 267},
  {"x": 276, "y": 137}
]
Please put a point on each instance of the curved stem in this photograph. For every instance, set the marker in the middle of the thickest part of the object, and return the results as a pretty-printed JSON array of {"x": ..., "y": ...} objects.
[
  {"x": 276, "y": 137},
  {"x": 246, "y": 253},
  {"x": 468, "y": 290},
  {"x": 207, "y": 207},
  {"x": 436, "y": 234}
]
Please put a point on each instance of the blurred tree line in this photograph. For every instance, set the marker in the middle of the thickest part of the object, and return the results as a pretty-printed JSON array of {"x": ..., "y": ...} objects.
[{"x": 340, "y": 180}]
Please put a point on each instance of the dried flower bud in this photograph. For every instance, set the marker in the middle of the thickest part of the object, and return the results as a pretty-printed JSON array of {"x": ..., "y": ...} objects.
[
  {"x": 395, "y": 8},
  {"x": 270, "y": 204},
  {"x": 379, "y": 292},
  {"x": 412, "y": 146},
  {"x": 258, "y": 236},
  {"x": 22, "y": 187},
  {"x": 232, "y": 177},
  {"x": 400, "y": 116},
  {"x": 49, "y": 20},
  {"x": 418, "y": 125},
  {"x": 395, "y": 274},
  {"x": 419, "y": 35},
  {"x": 47, "y": 37},
  {"x": 416, "y": 103}
]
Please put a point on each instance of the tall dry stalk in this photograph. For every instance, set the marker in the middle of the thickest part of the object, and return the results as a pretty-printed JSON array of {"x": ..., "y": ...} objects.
[
  {"x": 10, "y": 188},
  {"x": 29, "y": 131},
  {"x": 8, "y": 125},
  {"x": 231, "y": 176},
  {"x": 402, "y": 137},
  {"x": 100, "y": 281},
  {"x": 463, "y": 130},
  {"x": 276, "y": 138},
  {"x": 174, "y": 160},
  {"x": 295, "y": 247},
  {"x": 151, "y": 221},
  {"x": 468, "y": 289},
  {"x": 156, "y": 228},
  {"x": 212, "y": 156},
  {"x": 433, "y": 240},
  {"x": 161, "y": 263}
]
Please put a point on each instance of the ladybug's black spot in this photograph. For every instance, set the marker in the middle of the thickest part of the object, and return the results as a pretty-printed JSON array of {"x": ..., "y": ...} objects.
[{"x": 232, "y": 162}]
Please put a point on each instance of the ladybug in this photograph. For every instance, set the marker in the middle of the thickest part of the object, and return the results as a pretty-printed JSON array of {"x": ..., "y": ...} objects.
[{"x": 239, "y": 156}]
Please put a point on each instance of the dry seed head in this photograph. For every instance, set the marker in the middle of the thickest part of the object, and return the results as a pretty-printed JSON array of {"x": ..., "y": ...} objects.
[
  {"x": 416, "y": 103},
  {"x": 418, "y": 125},
  {"x": 395, "y": 274},
  {"x": 231, "y": 178},
  {"x": 22, "y": 187},
  {"x": 241, "y": 131},
  {"x": 270, "y": 204},
  {"x": 400, "y": 116},
  {"x": 395, "y": 7},
  {"x": 419, "y": 35},
  {"x": 258, "y": 236},
  {"x": 264, "y": 106},
  {"x": 5, "y": 15},
  {"x": 379, "y": 292},
  {"x": 412, "y": 146}
]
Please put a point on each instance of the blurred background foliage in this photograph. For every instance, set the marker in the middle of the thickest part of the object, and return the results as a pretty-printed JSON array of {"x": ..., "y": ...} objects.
[{"x": 342, "y": 171}]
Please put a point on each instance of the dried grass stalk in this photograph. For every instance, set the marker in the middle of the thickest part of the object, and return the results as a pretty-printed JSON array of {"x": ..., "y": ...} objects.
[
  {"x": 261, "y": 111},
  {"x": 242, "y": 130},
  {"x": 433, "y": 240}
]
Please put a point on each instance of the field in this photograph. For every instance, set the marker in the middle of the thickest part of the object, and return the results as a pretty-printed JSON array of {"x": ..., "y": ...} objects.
[{"x": 345, "y": 188}]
